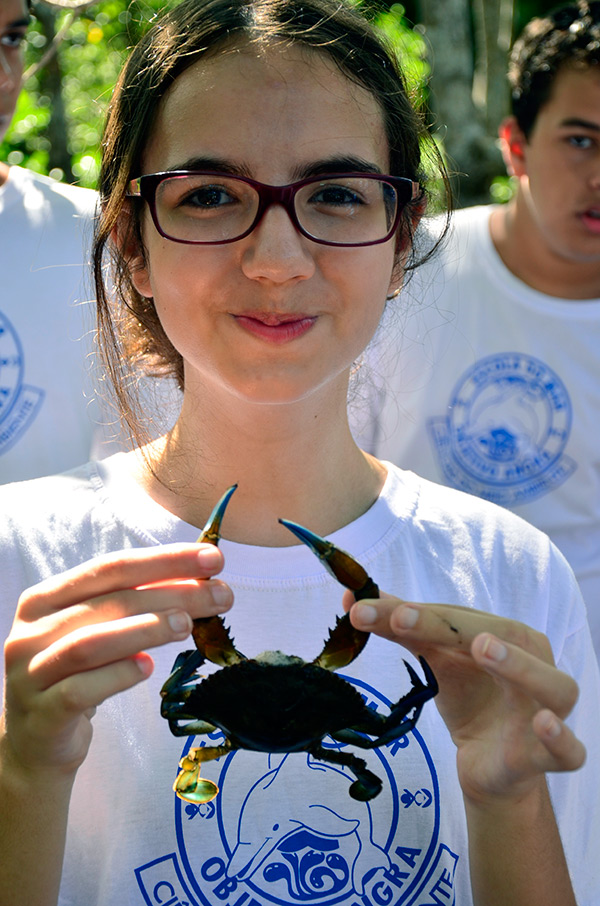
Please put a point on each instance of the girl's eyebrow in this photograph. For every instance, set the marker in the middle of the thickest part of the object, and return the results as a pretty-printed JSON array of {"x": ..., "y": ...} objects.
[
  {"x": 341, "y": 164},
  {"x": 217, "y": 164},
  {"x": 580, "y": 124},
  {"x": 18, "y": 23}
]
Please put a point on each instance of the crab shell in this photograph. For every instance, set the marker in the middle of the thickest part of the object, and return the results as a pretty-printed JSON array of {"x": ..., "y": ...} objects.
[{"x": 276, "y": 703}]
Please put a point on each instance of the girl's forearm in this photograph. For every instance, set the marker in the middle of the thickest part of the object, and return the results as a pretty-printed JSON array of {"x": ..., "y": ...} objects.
[
  {"x": 33, "y": 821},
  {"x": 516, "y": 854}
]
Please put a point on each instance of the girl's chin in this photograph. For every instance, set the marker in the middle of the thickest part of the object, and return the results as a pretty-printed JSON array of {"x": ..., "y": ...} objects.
[{"x": 278, "y": 390}]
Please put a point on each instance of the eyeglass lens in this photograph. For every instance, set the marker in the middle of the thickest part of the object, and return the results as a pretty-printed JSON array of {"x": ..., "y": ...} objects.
[{"x": 205, "y": 208}]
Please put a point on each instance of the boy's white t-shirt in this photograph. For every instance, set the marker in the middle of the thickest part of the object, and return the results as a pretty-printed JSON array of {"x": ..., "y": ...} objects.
[
  {"x": 55, "y": 410},
  {"x": 48, "y": 410},
  {"x": 283, "y": 829},
  {"x": 487, "y": 385}
]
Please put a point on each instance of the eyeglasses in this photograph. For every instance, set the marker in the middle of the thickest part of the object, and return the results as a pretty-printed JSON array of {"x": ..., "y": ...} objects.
[{"x": 208, "y": 208}]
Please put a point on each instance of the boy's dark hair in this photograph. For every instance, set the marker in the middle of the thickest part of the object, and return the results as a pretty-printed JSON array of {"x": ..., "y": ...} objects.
[{"x": 567, "y": 36}]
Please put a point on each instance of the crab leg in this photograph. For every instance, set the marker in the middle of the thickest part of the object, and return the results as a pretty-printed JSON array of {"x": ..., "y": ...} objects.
[
  {"x": 397, "y": 723},
  {"x": 366, "y": 786},
  {"x": 189, "y": 786}
]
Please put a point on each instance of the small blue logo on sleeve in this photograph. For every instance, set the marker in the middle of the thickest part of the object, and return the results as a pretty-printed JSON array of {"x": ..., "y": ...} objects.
[
  {"x": 19, "y": 403},
  {"x": 508, "y": 423}
]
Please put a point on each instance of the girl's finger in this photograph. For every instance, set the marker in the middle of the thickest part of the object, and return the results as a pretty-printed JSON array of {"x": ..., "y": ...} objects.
[
  {"x": 527, "y": 673},
  {"x": 441, "y": 625},
  {"x": 565, "y": 752},
  {"x": 92, "y": 647},
  {"x": 78, "y": 695},
  {"x": 198, "y": 598},
  {"x": 120, "y": 570}
]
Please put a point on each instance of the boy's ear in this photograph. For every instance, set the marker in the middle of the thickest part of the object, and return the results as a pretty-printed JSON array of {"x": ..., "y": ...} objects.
[
  {"x": 512, "y": 145},
  {"x": 126, "y": 239}
]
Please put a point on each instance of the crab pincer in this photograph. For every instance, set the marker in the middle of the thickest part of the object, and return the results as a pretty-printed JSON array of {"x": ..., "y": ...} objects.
[
  {"x": 345, "y": 642},
  {"x": 337, "y": 562}
]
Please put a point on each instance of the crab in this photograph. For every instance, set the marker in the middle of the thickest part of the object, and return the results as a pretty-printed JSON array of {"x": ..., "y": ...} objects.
[{"x": 280, "y": 703}]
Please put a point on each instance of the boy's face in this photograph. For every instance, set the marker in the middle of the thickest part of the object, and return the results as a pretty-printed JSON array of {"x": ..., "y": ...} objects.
[
  {"x": 14, "y": 19},
  {"x": 559, "y": 167}
]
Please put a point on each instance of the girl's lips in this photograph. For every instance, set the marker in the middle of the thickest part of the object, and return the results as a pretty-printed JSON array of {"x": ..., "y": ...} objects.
[
  {"x": 274, "y": 328},
  {"x": 591, "y": 220}
]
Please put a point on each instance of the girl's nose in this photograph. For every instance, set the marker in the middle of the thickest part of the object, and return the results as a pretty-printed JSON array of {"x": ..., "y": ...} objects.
[
  {"x": 276, "y": 251},
  {"x": 594, "y": 180},
  {"x": 8, "y": 74}
]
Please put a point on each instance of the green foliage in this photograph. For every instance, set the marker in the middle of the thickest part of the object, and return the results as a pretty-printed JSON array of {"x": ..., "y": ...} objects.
[
  {"x": 86, "y": 68},
  {"x": 410, "y": 48},
  {"x": 89, "y": 60}
]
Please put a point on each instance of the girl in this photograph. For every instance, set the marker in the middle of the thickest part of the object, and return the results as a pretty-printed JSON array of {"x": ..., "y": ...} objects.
[{"x": 259, "y": 299}]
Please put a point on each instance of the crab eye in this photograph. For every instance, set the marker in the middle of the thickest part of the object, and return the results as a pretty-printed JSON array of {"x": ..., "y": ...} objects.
[{"x": 275, "y": 827}]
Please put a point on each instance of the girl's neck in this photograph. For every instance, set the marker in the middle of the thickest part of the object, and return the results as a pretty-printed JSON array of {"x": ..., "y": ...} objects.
[{"x": 294, "y": 461}]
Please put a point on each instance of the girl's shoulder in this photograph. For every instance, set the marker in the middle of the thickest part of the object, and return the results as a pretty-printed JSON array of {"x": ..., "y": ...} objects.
[{"x": 51, "y": 497}]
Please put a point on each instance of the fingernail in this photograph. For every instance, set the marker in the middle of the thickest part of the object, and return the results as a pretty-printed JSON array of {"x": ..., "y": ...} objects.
[
  {"x": 221, "y": 595},
  {"x": 367, "y": 614},
  {"x": 144, "y": 663},
  {"x": 550, "y": 725},
  {"x": 209, "y": 556},
  {"x": 494, "y": 650},
  {"x": 407, "y": 616},
  {"x": 180, "y": 622}
]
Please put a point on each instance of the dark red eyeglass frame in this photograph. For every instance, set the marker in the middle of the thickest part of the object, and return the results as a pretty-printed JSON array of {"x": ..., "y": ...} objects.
[{"x": 145, "y": 187}]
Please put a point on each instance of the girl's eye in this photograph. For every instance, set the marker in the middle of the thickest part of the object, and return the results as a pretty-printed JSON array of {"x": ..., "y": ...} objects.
[
  {"x": 336, "y": 196},
  {"x": 12, "y": 39},
  {"x": 208, "y": 197},
  {"x": 581, "y": 142}
]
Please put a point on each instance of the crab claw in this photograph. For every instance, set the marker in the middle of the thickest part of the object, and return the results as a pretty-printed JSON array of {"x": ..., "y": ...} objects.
[
  {"x": 345, "y": 642},
  {"x": 337, "y": 562},
  {"x": 210, "y": 635},
  {"x": 211, "y": 533}
]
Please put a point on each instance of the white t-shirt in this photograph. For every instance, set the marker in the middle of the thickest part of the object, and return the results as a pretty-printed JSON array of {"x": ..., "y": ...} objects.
[
  {"x": 489, "y": 386},
  {"x": 283, "y": 829},
  {"x": 49, "y": 415}
]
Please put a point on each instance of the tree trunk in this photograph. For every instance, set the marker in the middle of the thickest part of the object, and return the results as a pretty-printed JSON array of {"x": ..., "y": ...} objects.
[
  {"x": 51, "y": 85},
  {"x": 493, "y": 34},
  {"x": 457, "y": 51}
]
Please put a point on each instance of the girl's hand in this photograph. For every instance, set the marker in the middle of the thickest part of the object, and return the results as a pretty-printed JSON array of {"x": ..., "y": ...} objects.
[
  {"x": 79, "y": 638},
  {"x": 501, "y": 696}
]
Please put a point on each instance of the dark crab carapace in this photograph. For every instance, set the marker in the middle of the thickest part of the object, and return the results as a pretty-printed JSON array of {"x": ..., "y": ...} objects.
[{"x": 280, "y": 703}]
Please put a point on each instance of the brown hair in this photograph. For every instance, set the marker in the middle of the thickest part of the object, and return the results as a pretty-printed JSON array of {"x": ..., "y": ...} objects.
[{"x": 130, "y": 334}]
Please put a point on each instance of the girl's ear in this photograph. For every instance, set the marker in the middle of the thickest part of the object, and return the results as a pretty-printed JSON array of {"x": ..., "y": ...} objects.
[
  {"x": 126, "y": 239},
  {"x": 512, "y": 144}
]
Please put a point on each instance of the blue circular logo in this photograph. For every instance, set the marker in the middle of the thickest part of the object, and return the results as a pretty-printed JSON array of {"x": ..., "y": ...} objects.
[{"x": 508, "y": 425}]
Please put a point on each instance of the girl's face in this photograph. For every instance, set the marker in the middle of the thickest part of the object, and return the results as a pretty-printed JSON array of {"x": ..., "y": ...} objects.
[
  {"x": 274, "y": 316},
  {"x": 14, "y": 20}
]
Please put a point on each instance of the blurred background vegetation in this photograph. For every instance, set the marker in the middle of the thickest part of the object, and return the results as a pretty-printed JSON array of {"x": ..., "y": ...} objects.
[{"x": 456, "y": 51}]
